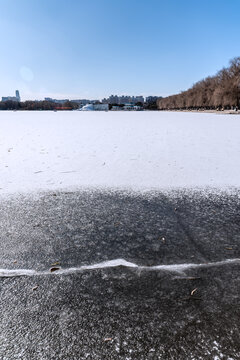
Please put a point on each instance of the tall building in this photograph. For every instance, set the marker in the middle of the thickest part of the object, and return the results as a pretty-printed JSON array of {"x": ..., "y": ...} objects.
[
  {"x": 139, "y": 98},
  {"x": 113, "y": 99},
  {"x": 12, "y": 98},
  {"x": 18, "y": 95}
]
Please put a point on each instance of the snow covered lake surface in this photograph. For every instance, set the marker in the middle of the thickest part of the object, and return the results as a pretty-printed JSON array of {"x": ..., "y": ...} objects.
[
  {"x": 124, "y": 150},
  {"x": 163, "y": 272}
]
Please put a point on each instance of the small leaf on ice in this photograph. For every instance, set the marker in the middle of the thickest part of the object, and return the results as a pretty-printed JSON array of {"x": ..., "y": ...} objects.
[
  {"x": 54, "y": 269},
  {"x": 193, "y": 291}
]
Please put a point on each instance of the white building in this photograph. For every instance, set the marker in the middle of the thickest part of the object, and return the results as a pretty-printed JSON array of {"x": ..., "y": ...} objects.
[
  {"x": 116, "y": 108},
  {"x": 88, "y": 107},
  {"x": 95, "y": 107},
  {"x": 128, "y": 107}
]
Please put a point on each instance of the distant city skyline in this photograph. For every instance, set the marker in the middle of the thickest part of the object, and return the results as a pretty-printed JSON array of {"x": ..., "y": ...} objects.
[
  {"x": 112, "y": 99},
  {"x": 13, "y": 98},
  {"x": 79, "y": 49}
]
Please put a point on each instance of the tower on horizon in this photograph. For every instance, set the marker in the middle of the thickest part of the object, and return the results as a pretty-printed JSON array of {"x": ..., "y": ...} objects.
[{"x": 17, "y": 95}]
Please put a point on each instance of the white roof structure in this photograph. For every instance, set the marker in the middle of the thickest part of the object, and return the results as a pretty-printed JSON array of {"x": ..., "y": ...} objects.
[{"x": 88, "y": 107}]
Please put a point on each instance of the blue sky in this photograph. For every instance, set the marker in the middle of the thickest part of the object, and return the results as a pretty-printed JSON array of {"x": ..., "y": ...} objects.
[{"x": 92, "y": 49}]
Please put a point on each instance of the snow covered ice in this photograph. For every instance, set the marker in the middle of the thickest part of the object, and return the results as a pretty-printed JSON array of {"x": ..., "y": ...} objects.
[
  {"x": 157, "y": 274},
  {"x": 135, "y": 150}
]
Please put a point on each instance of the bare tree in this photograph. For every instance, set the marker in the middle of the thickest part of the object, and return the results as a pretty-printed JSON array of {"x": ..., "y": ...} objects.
[{"x": 219, "y": 91}]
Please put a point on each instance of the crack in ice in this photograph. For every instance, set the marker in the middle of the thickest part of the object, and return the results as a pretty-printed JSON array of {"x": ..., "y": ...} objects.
[{"x": 175, "y": 268}]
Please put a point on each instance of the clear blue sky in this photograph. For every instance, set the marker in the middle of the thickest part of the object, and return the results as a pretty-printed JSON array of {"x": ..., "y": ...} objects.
[{"x": 95, "y": 48}]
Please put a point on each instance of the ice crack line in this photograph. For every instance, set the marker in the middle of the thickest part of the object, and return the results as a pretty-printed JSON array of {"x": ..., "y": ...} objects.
[{"x": 174, "y": 268}]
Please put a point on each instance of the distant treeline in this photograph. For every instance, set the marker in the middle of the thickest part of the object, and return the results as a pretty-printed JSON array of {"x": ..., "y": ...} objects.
[
  {"x": 221, "y": 91},
  {"x": 49, "y": 105},
  {"x": 37, "y": 105}
]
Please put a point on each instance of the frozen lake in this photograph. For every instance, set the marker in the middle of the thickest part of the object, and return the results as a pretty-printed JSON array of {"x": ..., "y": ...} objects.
[
  {"x": 136, "y": 150},
  {"x": 136, "y": 276}
]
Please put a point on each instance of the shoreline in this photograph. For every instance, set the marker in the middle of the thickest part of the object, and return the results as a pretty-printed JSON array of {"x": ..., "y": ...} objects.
[{"x": 219, "y": 112}]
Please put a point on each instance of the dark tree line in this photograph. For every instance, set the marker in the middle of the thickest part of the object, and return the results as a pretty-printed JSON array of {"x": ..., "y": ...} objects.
[
  {"x": 221, "y": 91},
  {"x": 37, "y": 105},
  {"x": 151, "y": 105}
]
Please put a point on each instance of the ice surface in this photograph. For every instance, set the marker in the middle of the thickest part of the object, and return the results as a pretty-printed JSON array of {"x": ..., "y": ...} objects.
[{"x": 137, "y": 150}]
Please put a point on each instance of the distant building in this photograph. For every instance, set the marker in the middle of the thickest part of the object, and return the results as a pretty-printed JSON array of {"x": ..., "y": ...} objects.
[
  {"x": 113, "y": 99},
  {"x": 138, "y": 107},
  {"x": 18, "y": 95},
  {"x": 138, "y": 99},
  {"x": 128, "y": 107},
  {"x": 57, "y": 101},
  {"x": 122, "y": 100},
  {"x": 132, "y": 107},
  {"x": 101, "y": 107},
  {"x": 151, "y": 99},
  {"x": 81, "y": 101},
  {"x": 12, "y": 98},
  {"x": 116, "y": 108}
]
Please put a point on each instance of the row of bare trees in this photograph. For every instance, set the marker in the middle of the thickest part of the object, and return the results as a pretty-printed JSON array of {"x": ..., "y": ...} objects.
[
  {"x": 36, "y": 105},
  {"x": 221, "y": 91}
]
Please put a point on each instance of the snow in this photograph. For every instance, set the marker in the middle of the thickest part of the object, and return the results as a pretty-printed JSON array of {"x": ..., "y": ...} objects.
[{"x": 134, "y": 150}]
